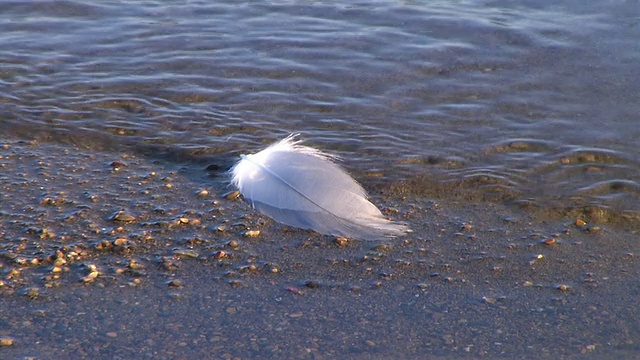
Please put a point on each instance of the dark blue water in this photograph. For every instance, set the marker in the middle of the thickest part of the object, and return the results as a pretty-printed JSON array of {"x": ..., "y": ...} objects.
[{"x": 537, "y": 101}]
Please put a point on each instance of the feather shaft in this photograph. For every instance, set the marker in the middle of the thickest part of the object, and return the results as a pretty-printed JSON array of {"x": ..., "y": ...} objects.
[{"x": 304, "y": 187}]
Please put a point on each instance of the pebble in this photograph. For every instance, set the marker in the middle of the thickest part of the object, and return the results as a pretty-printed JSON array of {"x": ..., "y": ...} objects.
[
  {"x": 134, "y": 265},
  {"x": 488, "y": 300},
  {"x": 90, "y": 277},
  {"x": 237, "y": 283},
  {"x": 252, "y": 233},
  {"x": 6, "y": 341},
  {"x": 294, "y": 290},
  {"x": 176, "y": 283},
  {"x": 117, "y": 164},
  {"x": 381, "y": 248},
  {"x": 594, "y": 229},
  {"x": 536, "y": 258},
  {"x": 341, "y": 241},
  {"x": 186, "y": 253},
  {"x": 120, "y": 242},
  {"x": 32, "y": 293},
  {"x": 232, "y": 195},
  {"x": 169, "y": 264},
  {"x": 272, "y": 268},
  {"x": 466, "y": 227},
  {"x": 123, "y": 217},
  {"x": 248, "y": 268}
]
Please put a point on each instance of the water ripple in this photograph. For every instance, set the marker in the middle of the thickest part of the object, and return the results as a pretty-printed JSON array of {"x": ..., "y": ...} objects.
[{"x": 526, "y": 103}]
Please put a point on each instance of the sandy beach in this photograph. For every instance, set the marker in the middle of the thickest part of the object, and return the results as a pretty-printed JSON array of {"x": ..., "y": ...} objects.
[{"x": 109, "y": 255}]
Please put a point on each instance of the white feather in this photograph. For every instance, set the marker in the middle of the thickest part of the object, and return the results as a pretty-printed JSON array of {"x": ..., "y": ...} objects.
[{"x": 303, "y": 187}]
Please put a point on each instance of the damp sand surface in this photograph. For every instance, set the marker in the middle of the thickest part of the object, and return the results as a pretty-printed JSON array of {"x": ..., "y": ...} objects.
[{"x": 118, "y": 255}]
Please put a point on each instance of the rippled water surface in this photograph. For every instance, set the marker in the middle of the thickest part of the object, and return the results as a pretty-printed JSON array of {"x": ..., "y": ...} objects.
[{"x": 530, "y": 102}]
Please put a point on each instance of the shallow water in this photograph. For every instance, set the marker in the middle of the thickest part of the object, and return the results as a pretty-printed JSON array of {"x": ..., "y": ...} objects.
[{"x": 533, "y": 103}]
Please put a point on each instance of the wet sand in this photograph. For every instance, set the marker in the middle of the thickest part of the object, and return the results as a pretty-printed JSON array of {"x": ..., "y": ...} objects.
[{"x": 129, "y": 256}]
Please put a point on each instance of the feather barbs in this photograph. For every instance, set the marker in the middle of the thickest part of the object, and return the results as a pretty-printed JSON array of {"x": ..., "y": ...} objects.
[{"x": 303, "y": 187}]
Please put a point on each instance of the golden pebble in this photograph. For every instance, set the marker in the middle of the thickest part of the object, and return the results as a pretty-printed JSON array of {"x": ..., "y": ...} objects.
[
  {"x": 92, "y": 275},
  {"x": 6, "y": 341},
  {"x": 220, "y": 254},
  {"x": 232, "y": 195},
  {"x": 59, "y": 262},
  {"x": 581, "y": 222},
  {"x": 341, "y": 241},
  {"x": 123, "y": 217},
  {"x": 134, "y": 265},
  {"x": 252, "y": 233},
  {"x": 183, "y": 220}
]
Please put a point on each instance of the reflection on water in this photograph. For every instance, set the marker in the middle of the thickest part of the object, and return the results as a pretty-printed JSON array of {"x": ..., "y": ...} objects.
[{"x": 531, "y": 104}]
